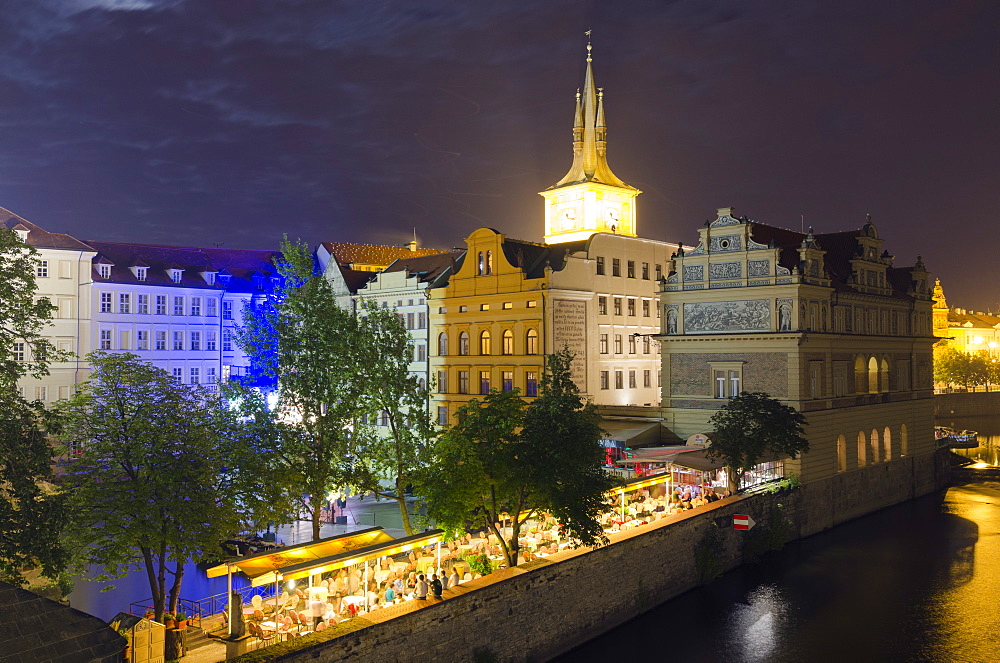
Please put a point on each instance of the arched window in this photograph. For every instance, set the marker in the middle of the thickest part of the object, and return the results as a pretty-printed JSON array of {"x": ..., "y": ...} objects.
[
  {"x": 531, "y": 345},
  {"x": 508, "y": 342},
  {"x": 860, "y": 376},
  {"x": 873, "y": 376},
  {"x": 841, "y": 453},
  {"x": 423, "y": 384},
  {"x": 883, "y": 381},
  {"x": 480, "y": 265},
  {"x": 463, "y": 344},
  {"x": 484, "y": 343},
  {"x": 904, "y": 442},
  {"x": 489, "y": 262},
  {"x": 874, "y": 441},
  {"x": 862, "y": 449},
  {"x": 442, "y": 345},
  {"x": 886, "y": 444}
]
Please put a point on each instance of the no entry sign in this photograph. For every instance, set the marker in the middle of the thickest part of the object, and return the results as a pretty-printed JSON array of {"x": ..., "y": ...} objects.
[{"x": 742, "y": 521}]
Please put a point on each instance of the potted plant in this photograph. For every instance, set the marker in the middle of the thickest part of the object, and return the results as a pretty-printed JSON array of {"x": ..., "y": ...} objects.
[
  {"x": 480, "y": 564},
  {"x": 182, "y": 619},
  {"x": 168, "y": 620}
]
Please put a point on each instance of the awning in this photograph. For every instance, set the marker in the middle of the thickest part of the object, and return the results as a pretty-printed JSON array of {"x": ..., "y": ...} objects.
[
  {"x": 656, "y": 455},
  {"x": 352, "y": 557},
  {"x": 624, "y": 433},
  {"x": 699, "y": 460},
  {"x": 265, "y": 563}
]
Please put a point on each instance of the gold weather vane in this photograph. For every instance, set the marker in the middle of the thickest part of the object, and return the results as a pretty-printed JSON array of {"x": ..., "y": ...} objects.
[{"x": 589, "y": 47}]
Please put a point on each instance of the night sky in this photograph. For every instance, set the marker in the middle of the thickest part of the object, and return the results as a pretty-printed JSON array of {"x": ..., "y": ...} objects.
[{"x": 230, "y": 122}]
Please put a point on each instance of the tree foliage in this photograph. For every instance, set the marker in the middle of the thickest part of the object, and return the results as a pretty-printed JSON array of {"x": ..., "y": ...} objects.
[
  {"x": 151, "y": 487},
  {"x": 302, "y": 343},
  {"x": 966, "y": 369},
  {"x": 508, "y": 461},
  {"x": 751, "y": 425},
  {"x": 31, "y": 508}
]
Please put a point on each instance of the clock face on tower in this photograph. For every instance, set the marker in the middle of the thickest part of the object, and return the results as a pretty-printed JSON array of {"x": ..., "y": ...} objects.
[
  {"x": 612, "y": 216},
  {"x": 567, "y": 219}
]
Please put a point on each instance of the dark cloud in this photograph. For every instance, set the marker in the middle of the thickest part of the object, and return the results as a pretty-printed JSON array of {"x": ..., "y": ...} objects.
[{"x": 206, "y": 121}]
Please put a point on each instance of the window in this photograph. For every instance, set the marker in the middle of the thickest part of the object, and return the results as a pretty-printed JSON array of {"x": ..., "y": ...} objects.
[
  {"x": 175, "y": 275},
  {"x": 531, "y": 345},
  {"x": 124, "y": 302},
  {"x": 442, "y": 309},
  {"x": 41, "y": 394},
  {"x": 178, "y": 340},
  {"x": 161, "y": 305},
  {"x": 489, "y": 262},
  {"x": 604, "y": 380},
  {"x": 645, "y": 345},
  {"x": 618, "y": 305},
  {"x": 210, "y": 341},
  {"x": 646, "y": 381},
  {"x": 815, "y": 383},
  {"x": 727, "y": 383},
  {"x": 178, "y": 306},
  {"x": 195, "y": 340},
  {"x": 508, "y": 342},
  {"x": 484, "y": 343},
  {"x": 227, "y": 340},
  {"x": 442, "y": 345},
  {"x": 616, "y": 267},
  {"x": 531, "y": 383},
  {"x": 507, "y": 306},
  {"x": 463, "y": 382},
  {"x": 603, "y": 344},
  {"x": 19, "y": 352},
  {"x": 480, "y": 265},
  {"x": 411, "y": 319},
  {"x": 421, "y": 352},
  {"x": 631, "y": 344},
  {"x": 422, "y": 320},
  {"x": 631, "y": 306},
  {"x": 631, "y": 269},
  {"x": 442, "y": 382},
  {"x": 105, "y": 302},
  {"x": 841, "y": 454},
  {"x": 140, "y": 273},
  {"x": 210, "y": 375},
  {"x": 142, "y": 304},
  {"x": 179, "y": 374},
  {"x": 227, "y": 310},
  {"x": 211, "y": 307},
  {"x": 142, "y": 340},
  {"x": 532, "y": 303},
  {"x": 600, "y": 265},
  {"x": 618, "y": 380},
  {"x": 631, "y": 379},
  {"x": 463, "y": 309},
  {"x": 659, "y": 272},
  {"x": 463, "y": 344},
  {"x": 104, "y": 270},
  {"x": 645, "y": 308},
  {"x": 618, "y": 344},
  {"x": 442, "y": 415},
  {"x": 195, "y": 375},
  {"x": 484, "y": 382},
  {"x": 105, "y": 339},
  {"x": 507, "y": 380},
  {"x": 645, "y": 271},
  {"x": 602, "y": 305},
  {"x": 42, "y": 269},
  {"x": 161, "y": 340}
]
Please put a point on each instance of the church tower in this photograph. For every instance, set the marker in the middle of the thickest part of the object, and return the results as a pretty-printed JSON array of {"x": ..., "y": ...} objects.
[{"x": 590, "y": 198}]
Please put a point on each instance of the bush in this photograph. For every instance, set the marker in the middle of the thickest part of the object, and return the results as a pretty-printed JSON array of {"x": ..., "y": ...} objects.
[{"x": 480, "y": 564}]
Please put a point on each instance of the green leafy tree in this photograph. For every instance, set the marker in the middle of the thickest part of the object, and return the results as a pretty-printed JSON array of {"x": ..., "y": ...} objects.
[
  {"x": 152, "y": 487},
  {"x": 302, "y": 343},
  {"x": 31, "y": 509},
  {"x": 509, "y": 462},
  {"x": 954, "y": 367},
  {"x": 400, "y": 451},
  {"x": 751, "y": 425}
]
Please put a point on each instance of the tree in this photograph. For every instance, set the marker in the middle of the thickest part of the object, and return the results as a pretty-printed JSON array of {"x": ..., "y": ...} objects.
[
  {"x": 31, "y": 508},
  {"x": 751, "y": 425},
  {"x": 301, "y": 342},
  {"x": 151, "y": 487},
  {"x": 508, "y": 461},
  {"x": 392, "y": 392}
]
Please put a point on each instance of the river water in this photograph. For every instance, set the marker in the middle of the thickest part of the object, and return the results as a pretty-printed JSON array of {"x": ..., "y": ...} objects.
[{"x": 916, "y": 582}]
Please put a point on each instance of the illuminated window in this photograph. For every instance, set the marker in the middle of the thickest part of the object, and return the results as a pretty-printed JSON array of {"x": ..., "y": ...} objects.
[
  {"x": 507, "y": 380},
  {"x": 463, "y": 344},
  {"x": 532, "y": 303},
  {"x": 484, "y": 382},
  {"x": 862, "y": 450},
  {"x": 489, "y": 262},
  {"x": 508, "y": 343},
  {"x": 531, "y": 383},
  {"x": 484, "y": 343},
  {"x": 841, "y": 454},
  {"x": 442, "y": 345},
  {"x": 480, "y": 265},
  {"x": 531, "y": 345},
  {"x": 508, "y": 305}
]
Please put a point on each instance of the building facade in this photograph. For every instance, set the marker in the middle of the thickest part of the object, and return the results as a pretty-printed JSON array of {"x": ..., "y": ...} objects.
[{"x": 823, "y": 322}]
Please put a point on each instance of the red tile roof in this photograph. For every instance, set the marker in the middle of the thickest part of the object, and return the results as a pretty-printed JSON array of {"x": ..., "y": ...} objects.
[{"x": 39, "y": 237}]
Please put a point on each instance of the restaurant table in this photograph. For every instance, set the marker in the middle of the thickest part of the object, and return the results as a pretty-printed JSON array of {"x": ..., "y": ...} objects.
[
  {"x": 399, "y": 566},
  {"x": 353, "y": 600},
  {"x": 424, "y": 563}
]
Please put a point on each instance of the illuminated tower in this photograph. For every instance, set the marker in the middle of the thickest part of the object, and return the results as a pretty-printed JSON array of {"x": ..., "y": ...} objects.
[{"x": 590, "y": 198}]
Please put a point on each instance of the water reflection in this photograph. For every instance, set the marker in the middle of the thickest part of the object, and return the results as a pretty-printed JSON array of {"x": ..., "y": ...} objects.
[{"x": 988, "y": 428}]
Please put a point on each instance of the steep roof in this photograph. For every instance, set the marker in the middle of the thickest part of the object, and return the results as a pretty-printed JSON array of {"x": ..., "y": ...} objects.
[
  {"x": 433, "y": 269},
  {"x": 38, "y": 237},
  {"x": 371, "y": 254},
  {"x": 241, "y": 265},
  {"x": 532, "y": 257},
  {"x": 961, "y": 317},
  {"x": 34, "y": 629}
]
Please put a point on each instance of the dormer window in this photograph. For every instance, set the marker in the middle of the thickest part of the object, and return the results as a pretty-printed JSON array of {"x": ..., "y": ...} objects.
[
  {"x": 224, "y": 278},
  {"x": 258, "y": 281},
  {"x": 140, "y": 273},
  {"x": 22, "y": 234},
  {"x": 104, "y": 269},
  {"x": 209, "y": 277},
  {"x": 175, "y": 275}
]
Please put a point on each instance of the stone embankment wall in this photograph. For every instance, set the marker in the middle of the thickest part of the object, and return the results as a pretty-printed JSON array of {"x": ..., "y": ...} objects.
[
  {"x": 975, "y": 404},
  {"x": 545, "y": 608}
]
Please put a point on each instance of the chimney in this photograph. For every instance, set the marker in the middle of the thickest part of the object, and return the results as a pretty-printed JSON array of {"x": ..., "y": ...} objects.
[{"x": 413, "y": 245}]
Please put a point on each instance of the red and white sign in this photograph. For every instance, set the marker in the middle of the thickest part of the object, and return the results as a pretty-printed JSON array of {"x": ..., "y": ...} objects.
[{"x": 742, "y": 521}]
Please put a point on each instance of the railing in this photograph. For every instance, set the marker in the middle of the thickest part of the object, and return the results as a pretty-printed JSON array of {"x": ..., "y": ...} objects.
[{"x": 206, "y": 607}]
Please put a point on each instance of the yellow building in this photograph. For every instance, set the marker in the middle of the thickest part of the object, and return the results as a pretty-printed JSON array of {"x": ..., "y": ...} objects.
[{"x": 965, "y": 330}]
